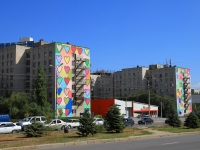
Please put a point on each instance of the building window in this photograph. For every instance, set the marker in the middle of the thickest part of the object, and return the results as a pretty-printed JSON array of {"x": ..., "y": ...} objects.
[
  {"x": 11, "y": 84},
  {"x": 7, "y": 63},
  {"x": 72, "y": 87},
  {"x": 34, "y": 64},
  {"x": 73, "y": 63},
  {"x": 50, "y": 61},
  {"x": 34, "y": 71},
  {"x": 73, "y": 111},
  {"x": 11, "y": 69},
  {"x": 11, "y": 55},
  {"x": 50, "y": 53},
  {"x": 50, "y": 69},
  {"x": 38, "y": 56},
  {"x": 7, "y": 70},
  {"x": 11, "y": 62},
  {"x": 38, "y": 64},
  {"x": 33, "y": 56},
  {"x": 2, "y": 63},
  {"x": 45, "y": 62},
  {"x": 50, "y": 94},
  {"x": 45, "y": 54},
  {"x": 2, "y": 71},
  {"x": 7, "y": 55}
]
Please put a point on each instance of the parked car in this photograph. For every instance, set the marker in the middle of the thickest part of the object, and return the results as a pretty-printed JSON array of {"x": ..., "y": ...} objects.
[
  {"x": 72, "y": 123},
  {"x": 128, "y": 121},
  {"x": 167, "y": 121},
  {"x": 145, "y": 121},
  {"x": 9, "y": 128},
  {"x": 56, "y": 124},
  {"x": 98, "y": 121},
  {"x": 29, "y": 120}
]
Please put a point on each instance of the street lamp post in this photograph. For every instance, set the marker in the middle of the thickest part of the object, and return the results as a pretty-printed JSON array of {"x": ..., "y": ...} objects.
[{"x": 149, "y": 95}]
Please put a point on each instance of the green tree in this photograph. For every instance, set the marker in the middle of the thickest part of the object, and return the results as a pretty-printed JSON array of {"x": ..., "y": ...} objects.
[
  {"x": 173, "y": 117},
  {"x": 36, "y": 129},
  {"x": 39, "y": 88},
  {"x": 113, "y": 120},
  {"x": 191, "y": 121},
  {"x": 87, "y": 126},
  {"x": 18, "y": 103}
]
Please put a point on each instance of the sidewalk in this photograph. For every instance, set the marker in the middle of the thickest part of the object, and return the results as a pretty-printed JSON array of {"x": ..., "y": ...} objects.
[{"x": 155, "y": 134}]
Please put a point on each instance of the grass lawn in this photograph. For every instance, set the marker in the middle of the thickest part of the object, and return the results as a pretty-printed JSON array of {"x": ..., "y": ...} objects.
[
  {"x": 168, "y": 128},
  {"x": 19, "y": 139}
]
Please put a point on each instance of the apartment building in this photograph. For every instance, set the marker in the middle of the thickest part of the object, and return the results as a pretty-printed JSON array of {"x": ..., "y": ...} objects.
[
  {"x": 102, "y": 85},
  {"x": 128, "y": 80},
  {"x": 170, "y": 80},
  {"x": 13, "y": 73},
  {"x": 67, "y": 70}
]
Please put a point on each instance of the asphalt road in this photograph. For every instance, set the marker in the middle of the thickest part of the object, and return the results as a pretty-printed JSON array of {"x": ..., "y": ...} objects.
[{"x": 186, "y": 142}]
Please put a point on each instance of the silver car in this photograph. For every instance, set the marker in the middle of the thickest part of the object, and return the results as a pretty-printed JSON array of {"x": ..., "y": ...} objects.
[{"x": 9, "y": 128}]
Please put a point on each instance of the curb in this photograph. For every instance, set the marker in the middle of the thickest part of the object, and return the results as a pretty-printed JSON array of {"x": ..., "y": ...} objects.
[{"x": 98, "y": 141}]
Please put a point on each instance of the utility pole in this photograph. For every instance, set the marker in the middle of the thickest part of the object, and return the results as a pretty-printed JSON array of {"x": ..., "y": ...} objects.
[
  {"x": 148, "y": 96},
  {"x": 161, "y": 109}
]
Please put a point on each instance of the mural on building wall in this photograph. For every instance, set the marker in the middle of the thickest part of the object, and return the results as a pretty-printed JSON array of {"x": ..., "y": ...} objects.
[
  {"x": 63, "y": 70},
  {"x": 183, "y": 91}
]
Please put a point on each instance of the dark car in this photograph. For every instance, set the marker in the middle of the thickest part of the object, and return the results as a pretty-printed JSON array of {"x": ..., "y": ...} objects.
[
  {"x": 145, "y": 121},
  {"x": 128, "y": 121},
  {"x": 167, "y": 121}
]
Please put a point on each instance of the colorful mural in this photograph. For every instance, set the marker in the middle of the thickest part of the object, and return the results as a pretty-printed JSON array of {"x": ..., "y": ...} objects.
[
  {"x": 183, "y": 94},
  {"x": 63, "y": 70}
]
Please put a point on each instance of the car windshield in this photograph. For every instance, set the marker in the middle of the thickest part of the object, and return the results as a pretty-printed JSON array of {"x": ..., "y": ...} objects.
[{"x": 26, "y": 119}]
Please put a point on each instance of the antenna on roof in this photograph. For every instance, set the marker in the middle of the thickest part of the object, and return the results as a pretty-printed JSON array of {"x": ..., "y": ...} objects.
[{"x": 170, "y": 62}]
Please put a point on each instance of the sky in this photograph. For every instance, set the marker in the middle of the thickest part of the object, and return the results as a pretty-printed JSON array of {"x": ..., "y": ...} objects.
[{"x": 120, "y": 33}]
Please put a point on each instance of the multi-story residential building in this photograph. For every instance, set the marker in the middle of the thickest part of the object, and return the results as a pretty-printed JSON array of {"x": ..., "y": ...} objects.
[
  {"x": 173, "y": 81},
  {"x": 67, "y": 70},
  {"x": 102, "y": 85},
  {"x": 128, "y": 80}
]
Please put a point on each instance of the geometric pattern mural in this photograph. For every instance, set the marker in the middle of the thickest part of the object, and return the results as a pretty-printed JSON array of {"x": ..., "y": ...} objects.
[{"x": 63, "y": 75}]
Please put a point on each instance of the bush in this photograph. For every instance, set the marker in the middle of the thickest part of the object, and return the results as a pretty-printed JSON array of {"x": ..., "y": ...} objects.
[
  {"x": 98, "y": 116},
  {"x": 87, "y": 126},
  {"x": 100, "y": 128},
  {"x": 113, "y": 120},
  {"x": 191, "y": 121},
  {"x": 35, "y": 130}
]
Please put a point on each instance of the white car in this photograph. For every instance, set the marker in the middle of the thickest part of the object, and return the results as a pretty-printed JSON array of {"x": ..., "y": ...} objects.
[
  {"x": 9, "y": 128},
  {"x": 56, "y": 124},
  {"x": 98, "y": 121},
  {"x": 72, "y": 123},
  {"x": 29, "y": 120}
]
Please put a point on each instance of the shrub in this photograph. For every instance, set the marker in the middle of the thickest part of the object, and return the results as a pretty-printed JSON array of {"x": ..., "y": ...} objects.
[
  {"x": 191, "y": 121},
  {"x": 86, "y": 125},
  {"x": 98, "y": 116},
  {"x": 113, "y": 120},
  {"x": 100, "y": 128},
  {"x": 35, "y": 130}
]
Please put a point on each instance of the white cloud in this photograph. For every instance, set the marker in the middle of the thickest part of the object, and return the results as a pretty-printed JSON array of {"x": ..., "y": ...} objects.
[{"x": 196, "y": 86}]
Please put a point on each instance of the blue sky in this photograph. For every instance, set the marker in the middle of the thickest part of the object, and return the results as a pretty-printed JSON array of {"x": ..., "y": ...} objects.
[{"x": 120, "y": 33}]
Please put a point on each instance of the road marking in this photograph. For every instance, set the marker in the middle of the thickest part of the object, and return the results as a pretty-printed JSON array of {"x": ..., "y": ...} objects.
[{"x": 170, "y": 143}]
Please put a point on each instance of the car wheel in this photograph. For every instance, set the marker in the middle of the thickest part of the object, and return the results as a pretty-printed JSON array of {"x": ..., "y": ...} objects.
[
  {"x": 62, "y": 128},
  {"x": 14, "y": 131},
  {"x": 69, "y": 126}
]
